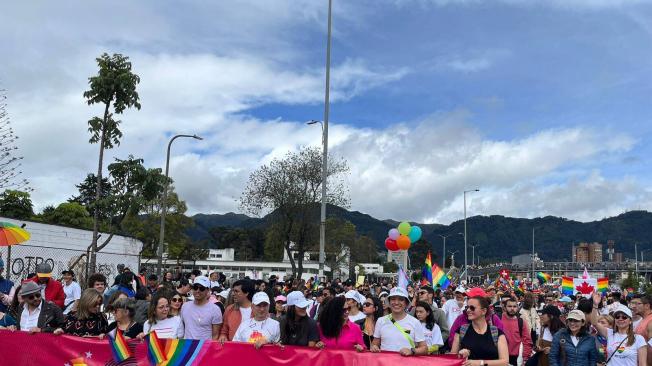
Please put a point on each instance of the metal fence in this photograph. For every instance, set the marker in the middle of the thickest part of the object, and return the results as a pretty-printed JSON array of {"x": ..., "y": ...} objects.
[{"x": 21, "y": 261}]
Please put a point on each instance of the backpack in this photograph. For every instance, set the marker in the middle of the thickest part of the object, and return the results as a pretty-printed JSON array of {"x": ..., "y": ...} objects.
[{"x": 493, "y": 329}]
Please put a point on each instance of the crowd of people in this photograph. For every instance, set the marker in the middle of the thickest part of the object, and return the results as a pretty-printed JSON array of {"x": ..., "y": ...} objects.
[{"x": 484, "y": 325}]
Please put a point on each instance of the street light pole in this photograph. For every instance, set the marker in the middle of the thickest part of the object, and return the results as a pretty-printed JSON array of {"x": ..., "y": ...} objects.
[
  {"x": 159, "y": 251},
  {"x": 466, "y": 272},
  {"x": 324, "y": 168},
  {"x": 443, "y": 262},
  {"x": 533, "y": 269}
]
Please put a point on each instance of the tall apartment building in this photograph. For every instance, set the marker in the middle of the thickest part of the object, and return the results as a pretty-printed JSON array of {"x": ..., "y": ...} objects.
[{"x": 587, "y": 253}]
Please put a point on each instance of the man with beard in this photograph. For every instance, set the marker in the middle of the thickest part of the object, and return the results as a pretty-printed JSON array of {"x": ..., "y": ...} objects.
[{"x": 517, "y": 332}]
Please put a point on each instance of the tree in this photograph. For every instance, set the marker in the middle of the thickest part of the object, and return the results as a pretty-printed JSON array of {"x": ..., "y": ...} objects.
[
  {"x": 16, "y": 204},
  {"x": 68, "y": 214},
  {"x": 113, "y": 87},
  {"x": 340, "y": 239},
  {"x": 9, "y": 163},
  {"x": 249, "y": 243},
  {"x": 291, "y": 189},
  {"x": 87, "y": 191}
]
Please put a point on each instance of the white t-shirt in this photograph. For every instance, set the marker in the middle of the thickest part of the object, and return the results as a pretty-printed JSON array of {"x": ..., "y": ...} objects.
[
  {"x": 72, "y": 292},
  {"x": 433, "y": 337},
  {"x": 575, "y": 341},
  {"x": 452, "y": 310},
  {"x": 252, "y": 330},
  {"x": 392, "y": 339},
  {"x": 357, "y": 317},
  {"x": 166, "y": 328},
  {"x": 245, "y": 314},
  {"x": 547, "y": 336},
  {"x": 623, "y": 355}
]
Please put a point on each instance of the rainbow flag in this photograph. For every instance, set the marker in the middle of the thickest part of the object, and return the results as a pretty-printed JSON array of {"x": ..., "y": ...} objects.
[
  {"x": 603, "y": 285},
  {"x": 315, "y": 283},
  {"x": 119, "y": 347},
  {"x": 183, "y": 352},
  {"x": 567, "y": 286},
  {"x": 155, "y": 350},
  {"x": 543, "y": 277},
  {"x": 426, "y": 272},
  {"x": 439, "y": 277}
]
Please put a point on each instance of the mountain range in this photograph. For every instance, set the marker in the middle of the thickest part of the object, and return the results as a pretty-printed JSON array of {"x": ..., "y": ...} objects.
[{"x": 496, "y": 238}]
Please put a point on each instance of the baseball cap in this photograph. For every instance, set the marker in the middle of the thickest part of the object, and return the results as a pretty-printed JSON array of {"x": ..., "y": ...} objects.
[
  {"x": 551, "y": 310},
  {"x": 623, "y": 309},
  {"x": 29, "y": 287},
  {"x": 577, "y": 315},
  {"x": 68, "y": 271},
  {"x": 224, "y": 294},
  {"x": 281, "y": 298},
  {"x": 399, "y": 291},
  {"x": 476, "y": 291},
  {"x": 297, "y": 299},
  {"x": 203, "y": 281},
  {"x": 43, "y": 270},
  {"x": 460, "y": 289},
  {"x": 565, "y": 299},
  {"x": 259, "y": 298}
]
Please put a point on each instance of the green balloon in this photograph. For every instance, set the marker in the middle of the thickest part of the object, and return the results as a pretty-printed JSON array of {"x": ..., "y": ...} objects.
[{"x": 404, "y": 228}]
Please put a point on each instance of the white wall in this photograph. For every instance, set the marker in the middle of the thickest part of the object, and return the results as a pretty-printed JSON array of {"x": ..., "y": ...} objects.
[{"x": 61, "y": 246}]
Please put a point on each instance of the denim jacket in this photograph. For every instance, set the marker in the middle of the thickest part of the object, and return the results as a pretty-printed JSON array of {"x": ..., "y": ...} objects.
[{"x": 584, "y": 354}]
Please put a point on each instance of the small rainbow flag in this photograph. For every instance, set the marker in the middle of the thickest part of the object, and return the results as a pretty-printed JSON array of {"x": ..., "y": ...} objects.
[
  {"x": 426, "y": 272},
  {"x": 183, "y": 352},
  {"x": 155, "y": 350},
  {"x": 567, "y": 286},
  {"x": 315, "y": 283},
  {"x": 439, "y": 277},
  {"x": 543, "y": 277},
  {"x": 119, "y": 347},
  {"x": 603, "y": 284}
]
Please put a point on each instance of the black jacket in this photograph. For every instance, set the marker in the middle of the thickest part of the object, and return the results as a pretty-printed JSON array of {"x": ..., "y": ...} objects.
[{"x": 50, "y": 318}]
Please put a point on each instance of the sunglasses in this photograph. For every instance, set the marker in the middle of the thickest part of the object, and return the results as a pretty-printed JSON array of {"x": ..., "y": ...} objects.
[
  {"x": 32, "y": 296},
  {"x": 367, "y": 304},
  {"x": 347, "y": 309},
  {"x": 621, "y": 317},
  {"x": 573, "y": 321},
  {"x": 176, "y": 299},
  {"x": 198, "y": 288},
  {"x": 470, "y": 307}
]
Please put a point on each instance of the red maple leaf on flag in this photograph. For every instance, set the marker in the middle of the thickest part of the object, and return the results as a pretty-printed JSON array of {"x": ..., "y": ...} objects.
[{"x": 585, "y": 288}]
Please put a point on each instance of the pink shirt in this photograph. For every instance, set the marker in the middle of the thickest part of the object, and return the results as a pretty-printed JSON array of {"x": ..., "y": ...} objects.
[{"x": 350, "y": 335}]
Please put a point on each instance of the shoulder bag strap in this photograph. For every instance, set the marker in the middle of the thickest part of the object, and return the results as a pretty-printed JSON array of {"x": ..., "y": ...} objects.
[
  {"x": 402, "y": 330},
  {"x": 619, "y": 344}
]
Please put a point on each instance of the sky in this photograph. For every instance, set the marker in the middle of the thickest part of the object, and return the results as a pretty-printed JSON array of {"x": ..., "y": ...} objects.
[{"x": 544, "y": 106}]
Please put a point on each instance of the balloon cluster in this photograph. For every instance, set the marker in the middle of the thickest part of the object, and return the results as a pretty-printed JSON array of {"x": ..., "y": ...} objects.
[{"x": 402, "y": 237}]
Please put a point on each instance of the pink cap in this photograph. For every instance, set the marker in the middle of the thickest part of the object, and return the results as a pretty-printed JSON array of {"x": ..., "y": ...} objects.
[{"x": 280, "y": 298}]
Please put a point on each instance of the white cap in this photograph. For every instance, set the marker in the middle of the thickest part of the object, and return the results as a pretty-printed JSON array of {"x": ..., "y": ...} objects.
[
  {"x": 353, "y": 294},
  {"x": 297, "y": 299},
  {"x": 225, "y": 294},
  {"x": 623, "y": 309},
  {"x": 260, "y": 297},
  {"x": 202, "y": 280},
  {"x": 399, "y": 291},
  {"x": 460, "y": 289}
]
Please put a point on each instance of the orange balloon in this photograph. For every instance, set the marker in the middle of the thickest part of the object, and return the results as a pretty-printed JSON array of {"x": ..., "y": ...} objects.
[{"x": 403, "y": 242}]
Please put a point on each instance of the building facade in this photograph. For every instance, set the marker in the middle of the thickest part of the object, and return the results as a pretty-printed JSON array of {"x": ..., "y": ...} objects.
[{"x": 587, "y": 253}]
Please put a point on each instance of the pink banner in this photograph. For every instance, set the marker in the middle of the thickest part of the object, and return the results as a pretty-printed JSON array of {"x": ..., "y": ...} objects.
[{"x": 24, "y": 349}]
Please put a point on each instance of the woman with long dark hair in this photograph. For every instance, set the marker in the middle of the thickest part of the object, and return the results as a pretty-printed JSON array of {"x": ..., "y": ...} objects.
[
  {"x": 297, "y": 328},
  {"x": 550, "y": 324},
  {"x": 336, "y": 331},
  {"x": 479, "y": 342},
  {"x": 423, "y": 313},
  {"x": 623, "y": 344},
  {"x": 373, "y": 310}
]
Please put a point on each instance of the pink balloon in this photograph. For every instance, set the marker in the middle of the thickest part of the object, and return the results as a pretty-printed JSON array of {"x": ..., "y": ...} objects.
[{"x": 393, "y": 234}]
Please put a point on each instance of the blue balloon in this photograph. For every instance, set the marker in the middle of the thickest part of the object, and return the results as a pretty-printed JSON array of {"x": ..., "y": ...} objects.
[{"x": 415, "y": 234}]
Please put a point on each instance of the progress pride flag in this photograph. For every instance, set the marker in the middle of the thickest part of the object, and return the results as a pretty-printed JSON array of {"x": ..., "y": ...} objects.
[{"x": 23, "y": 349}]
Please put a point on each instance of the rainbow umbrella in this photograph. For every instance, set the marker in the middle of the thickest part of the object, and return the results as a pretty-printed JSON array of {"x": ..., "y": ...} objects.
[{"x": 11, "y": 234}]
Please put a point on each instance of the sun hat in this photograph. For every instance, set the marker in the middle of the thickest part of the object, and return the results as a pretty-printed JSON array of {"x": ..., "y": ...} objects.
[{"x": 29, "y": 287}]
